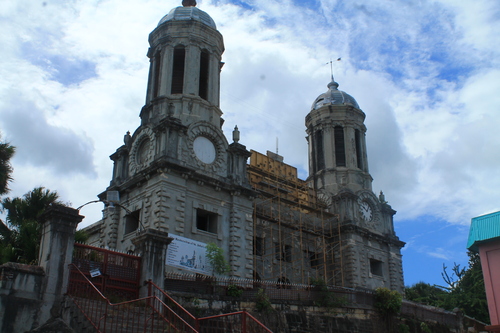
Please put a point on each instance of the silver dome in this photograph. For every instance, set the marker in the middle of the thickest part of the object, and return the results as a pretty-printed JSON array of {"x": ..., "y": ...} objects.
[
  {"x": 188, "y": 13},
  {"x": 334, "y": 97}
]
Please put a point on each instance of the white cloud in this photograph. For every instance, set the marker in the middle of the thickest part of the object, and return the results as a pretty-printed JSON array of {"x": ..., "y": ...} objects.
[{"x": 425, "y": 73}]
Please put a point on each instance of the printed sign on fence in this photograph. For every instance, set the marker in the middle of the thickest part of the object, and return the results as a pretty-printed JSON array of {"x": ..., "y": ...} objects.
[{"x": 188, "y": 254}]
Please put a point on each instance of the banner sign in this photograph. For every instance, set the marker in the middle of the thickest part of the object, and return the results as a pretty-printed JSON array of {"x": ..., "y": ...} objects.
[{"x": 188, "y": 254}]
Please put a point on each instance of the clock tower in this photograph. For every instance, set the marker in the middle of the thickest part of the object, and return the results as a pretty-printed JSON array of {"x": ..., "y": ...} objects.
[
  {"x": 177, "y": 172},
  {"x": 369, "y": 250}
]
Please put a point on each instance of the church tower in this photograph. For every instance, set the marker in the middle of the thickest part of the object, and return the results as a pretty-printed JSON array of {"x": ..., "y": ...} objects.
[
  {"x": 177, "y": 172},
  {"x": 368, "y": 248}
]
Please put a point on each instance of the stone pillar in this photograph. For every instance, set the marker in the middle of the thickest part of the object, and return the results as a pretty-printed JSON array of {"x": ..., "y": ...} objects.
[
  {"x": 56, "y": 251},
  {"x": 152, "y": 246}
]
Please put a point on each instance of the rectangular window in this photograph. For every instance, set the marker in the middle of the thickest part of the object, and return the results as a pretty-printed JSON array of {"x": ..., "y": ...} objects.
[
  {"x": 376, "y": 267},
  {"x": 258, "y": 246},
  {"x": 132, "y": 221},
  {"x": 315, "y": 259},
  {"x": 156, "y": 75},
  {"x": 288, "y": 253},
  {"x": 203, "y": 88},
  {"x": 206, "y": 221},
  {"x": 357, "y": 137},
  {"x": 178, "y": 70},
  {"x": 283, "y": 253},
  {"x": 339, "y": 145},
  {"x": 319, "y": 153}
]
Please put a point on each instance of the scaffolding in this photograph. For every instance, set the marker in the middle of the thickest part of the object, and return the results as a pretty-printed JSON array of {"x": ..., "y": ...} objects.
[{"x": 295, "y": 238}]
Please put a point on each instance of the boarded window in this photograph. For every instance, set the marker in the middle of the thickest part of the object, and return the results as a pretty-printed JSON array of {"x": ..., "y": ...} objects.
[
  {"x": 178, "y": 70},
  {"x": 204, "y": 62},
  {"x": 339, "y": 146}
]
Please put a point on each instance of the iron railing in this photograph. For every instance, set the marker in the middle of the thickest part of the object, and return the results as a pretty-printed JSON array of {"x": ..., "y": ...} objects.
[
  {"x": 276, "y": 291},
  {"x": 236, "y": 322},
  {"x": 240, "y": 321},
  {"x": 139, "y": 315},
  {"x": 115, "y": 274},
  {"x": 158, "y": 312}
]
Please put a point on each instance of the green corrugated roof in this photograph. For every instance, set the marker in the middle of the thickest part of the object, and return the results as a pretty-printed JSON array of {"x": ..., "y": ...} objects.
[{"x": 483, "y": 228}]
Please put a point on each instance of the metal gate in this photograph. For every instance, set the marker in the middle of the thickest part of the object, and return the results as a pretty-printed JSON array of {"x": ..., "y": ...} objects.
[{"x": 115, "y": 274}]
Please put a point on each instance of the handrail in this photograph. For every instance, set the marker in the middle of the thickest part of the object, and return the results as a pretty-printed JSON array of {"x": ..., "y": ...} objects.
[
  {"x": 197, "y": 320},
  {"x": 90, "y": 282},
  {"x": 116, "y": 305},
  {"x": 175, "y": 313},
  {"x": 245, "y": 313},
  {"x": 176, "y": 321},
  {"x": 172, "y": 300}
]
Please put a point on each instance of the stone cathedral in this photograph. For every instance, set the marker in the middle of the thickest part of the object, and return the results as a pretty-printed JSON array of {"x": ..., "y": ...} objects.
[{"x": 179, "y": 174}]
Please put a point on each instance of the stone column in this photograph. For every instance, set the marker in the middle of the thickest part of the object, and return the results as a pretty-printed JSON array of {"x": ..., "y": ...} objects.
[
  {"x": 152, "y": 246},
  {"x": 56, "y": 251}
]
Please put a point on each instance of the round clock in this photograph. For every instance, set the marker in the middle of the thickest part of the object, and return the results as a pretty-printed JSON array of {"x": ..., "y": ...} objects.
[
  {"x": 142, "y": 152},
  {"x": 204, "y": 149},
  {"x": 366, "y": 211}
]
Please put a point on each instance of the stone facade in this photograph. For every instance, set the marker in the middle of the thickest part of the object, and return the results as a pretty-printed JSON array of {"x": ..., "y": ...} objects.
[
  {"x": 370, "y": 253},
  {"x": 178, "y": 174}
]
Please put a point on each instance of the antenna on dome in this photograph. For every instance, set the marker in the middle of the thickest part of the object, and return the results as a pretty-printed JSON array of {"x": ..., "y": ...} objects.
[
  {"x": 276, "y": 145},
  {"x": 331, "y": 66}
]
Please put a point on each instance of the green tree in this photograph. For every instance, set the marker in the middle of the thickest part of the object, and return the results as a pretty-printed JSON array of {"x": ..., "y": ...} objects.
[
  {"x": 464, "y": 290},
  {"x": 215, "y": 256},
  {"x": 6, "y": 153},
  {"x": 20, "y": 235},
  {"x": 467, "y": 291},
  {"x": 425, "y": 293}
]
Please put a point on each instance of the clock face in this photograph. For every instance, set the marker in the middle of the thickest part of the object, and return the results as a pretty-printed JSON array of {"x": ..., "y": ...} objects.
[
  {"x": 142, "y": 152},
  {"x": 366, "y": 211},
  {"x": 204, "y": 150}
]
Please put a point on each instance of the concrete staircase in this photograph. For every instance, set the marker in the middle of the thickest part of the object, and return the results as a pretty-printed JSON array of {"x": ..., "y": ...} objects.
[{"x": 117, "y": 318}]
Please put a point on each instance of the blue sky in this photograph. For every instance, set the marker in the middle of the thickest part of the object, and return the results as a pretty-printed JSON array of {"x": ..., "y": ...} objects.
[{"x": 426, "y": 73}]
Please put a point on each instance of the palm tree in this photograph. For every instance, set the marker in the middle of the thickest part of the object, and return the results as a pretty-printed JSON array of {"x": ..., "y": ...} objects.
[
  {"x": 21, "y": 234},
  {"x": 6, "y": 153}
]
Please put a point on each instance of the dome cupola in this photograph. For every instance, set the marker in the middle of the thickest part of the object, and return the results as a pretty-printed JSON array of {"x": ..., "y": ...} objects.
[
  {"x": 188, "y": 12},
  {"x": 334, "y": 97}
]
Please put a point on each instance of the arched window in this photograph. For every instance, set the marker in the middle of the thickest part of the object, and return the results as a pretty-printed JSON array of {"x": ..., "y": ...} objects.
[
  {"x": 156, "y": 74},
  {"x": 319, "y": 153},
  {"x": 178, "y": 70},
  {"x": 357, "y": 138},
  {"x": 204, "y": 66},
  {"x": 339, "y": 145}
]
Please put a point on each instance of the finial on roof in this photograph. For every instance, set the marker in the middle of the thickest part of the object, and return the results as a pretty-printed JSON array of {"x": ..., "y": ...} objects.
[
  {"x": 236, "y": 134},
  {"x": 189, "y": 3}
]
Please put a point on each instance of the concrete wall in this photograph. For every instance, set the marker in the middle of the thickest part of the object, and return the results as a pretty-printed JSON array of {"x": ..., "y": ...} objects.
[
  {"x": 293, "y": 317},
  {"x": 20, "y": 296}
]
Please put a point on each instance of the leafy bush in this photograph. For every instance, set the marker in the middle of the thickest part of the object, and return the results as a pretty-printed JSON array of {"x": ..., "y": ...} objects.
[
  {"x": 327, "y": 298},
  {"x": 215, "y": 256},
  {"x": 388, "y": 302},
  {"x": 262, "y": 302},
  {"x": 234, "y": 290}
]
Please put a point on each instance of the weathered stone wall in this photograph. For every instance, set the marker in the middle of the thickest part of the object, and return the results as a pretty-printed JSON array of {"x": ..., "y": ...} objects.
[
  {"x": 20, "y": 296},
  {"x": 293, "y": 317}
]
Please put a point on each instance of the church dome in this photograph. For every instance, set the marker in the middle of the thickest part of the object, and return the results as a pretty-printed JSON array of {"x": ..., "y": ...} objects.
[
  {"x": 334, "y": 97},
  {"x": 188, "y": 13}
]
